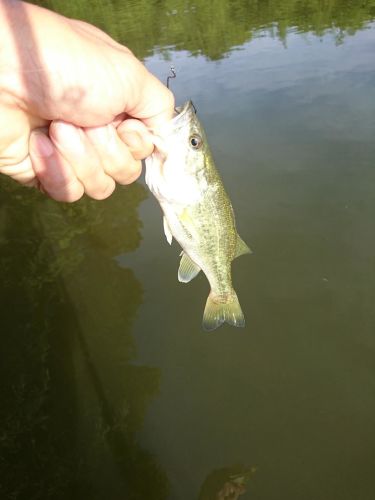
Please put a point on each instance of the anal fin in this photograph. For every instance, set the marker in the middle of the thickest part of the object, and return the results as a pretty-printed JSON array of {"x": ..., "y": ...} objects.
[{"x": 188, "y": 269}]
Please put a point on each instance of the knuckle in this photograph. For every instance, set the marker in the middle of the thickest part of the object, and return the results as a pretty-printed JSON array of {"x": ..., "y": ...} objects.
[
  {"x": 102, "y": 193},
  {"x": 129, "y": 173},
  {"x": 89, "y": 173},
  {"x": 68, "y": 192},
  {"x": 71, "y": 197}
]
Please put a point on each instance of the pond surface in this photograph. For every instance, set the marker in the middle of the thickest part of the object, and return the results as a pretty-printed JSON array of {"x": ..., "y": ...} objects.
[{"x": 109, "y": 387}]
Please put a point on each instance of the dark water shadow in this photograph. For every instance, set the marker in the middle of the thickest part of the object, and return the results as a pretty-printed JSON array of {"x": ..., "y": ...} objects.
[{"x": 72, "y": 397}]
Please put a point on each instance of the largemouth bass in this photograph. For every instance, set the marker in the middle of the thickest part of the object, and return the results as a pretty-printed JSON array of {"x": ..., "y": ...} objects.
[{"x": 197, "y": 212}]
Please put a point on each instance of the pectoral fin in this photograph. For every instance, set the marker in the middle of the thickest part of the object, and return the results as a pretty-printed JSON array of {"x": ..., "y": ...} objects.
[
  {"x": 187, "y": 223},
  {"x": 187, "y": 270},
  {"x": 167, "y": 231},
  {"x": 241, "y": 248}
]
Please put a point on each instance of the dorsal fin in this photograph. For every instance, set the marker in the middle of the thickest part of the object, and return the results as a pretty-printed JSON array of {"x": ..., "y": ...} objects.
[{"x": 241, "y": 248}]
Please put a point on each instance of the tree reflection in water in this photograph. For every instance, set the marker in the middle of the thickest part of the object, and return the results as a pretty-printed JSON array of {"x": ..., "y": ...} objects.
[
  {"x": 214, "y": 28},
  {"x": 72, "y": 400}
]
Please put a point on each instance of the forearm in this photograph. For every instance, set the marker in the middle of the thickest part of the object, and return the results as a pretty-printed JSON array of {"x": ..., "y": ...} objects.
[
  {"x": 31, "y": 36},
  {"x": 13, "y": 21},
  {"x": 16, "y": 58}
]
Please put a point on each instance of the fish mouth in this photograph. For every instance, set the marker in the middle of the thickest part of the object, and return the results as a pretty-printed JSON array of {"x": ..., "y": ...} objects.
[
  {"x": 181, "y": 110},
  {"x": 184, "y": 115}
]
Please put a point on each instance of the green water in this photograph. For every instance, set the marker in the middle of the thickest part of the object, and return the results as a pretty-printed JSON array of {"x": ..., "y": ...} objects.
[{"x": 109, "y": 388}]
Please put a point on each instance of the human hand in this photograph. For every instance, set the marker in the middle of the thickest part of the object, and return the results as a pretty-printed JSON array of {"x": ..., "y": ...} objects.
[{"x": 75, "y": 106}]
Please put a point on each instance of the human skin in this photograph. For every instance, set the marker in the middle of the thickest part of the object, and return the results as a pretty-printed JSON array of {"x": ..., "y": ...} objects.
[{"x": 76, "y": 107}]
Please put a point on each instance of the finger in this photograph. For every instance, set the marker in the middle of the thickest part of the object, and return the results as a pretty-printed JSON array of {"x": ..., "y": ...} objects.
[
  {"x": 117, "y": 160},
  {"x": 21, "y": 172},
  {"x": 161, "y": 110},
  {"x": 146, "y": 97},
  {"x": 54, "y": 173},
  {"x": 136, "y": 136},
  {"x": 73, "y": 144},
  {"x": 119, "y": 119}
]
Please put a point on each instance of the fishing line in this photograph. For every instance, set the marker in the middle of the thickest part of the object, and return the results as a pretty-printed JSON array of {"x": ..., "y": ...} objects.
[{"x": 173, "y": 74}]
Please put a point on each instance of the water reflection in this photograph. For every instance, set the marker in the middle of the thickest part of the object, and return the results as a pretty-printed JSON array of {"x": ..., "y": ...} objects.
[
  {"x": 72, "y": 400},
  {"x": 214, "y": 28},
  {"x": 228, "y": 483}
]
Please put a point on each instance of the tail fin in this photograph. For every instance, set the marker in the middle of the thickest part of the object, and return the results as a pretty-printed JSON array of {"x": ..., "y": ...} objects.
[{"x": 219, "y": 310}]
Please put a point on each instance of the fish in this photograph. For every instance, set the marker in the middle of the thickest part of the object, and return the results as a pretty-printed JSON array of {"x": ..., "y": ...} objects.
[{"x": 181, "y": 174}]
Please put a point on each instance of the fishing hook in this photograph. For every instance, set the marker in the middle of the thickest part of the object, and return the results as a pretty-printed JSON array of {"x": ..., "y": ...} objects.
[{"x": 173, "y": 75}]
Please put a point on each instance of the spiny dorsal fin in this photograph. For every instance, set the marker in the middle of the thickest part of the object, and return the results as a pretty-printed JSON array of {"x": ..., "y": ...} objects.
[
  {"x": 188, "y": 269},
  {"x": 241, "y": 248}
]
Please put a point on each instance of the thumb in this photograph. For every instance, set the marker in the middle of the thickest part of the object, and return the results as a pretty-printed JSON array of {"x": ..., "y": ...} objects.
[{"x": 163, "y": 101}]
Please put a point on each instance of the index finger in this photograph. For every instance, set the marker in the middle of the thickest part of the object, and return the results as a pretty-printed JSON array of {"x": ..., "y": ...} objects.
[{"x": 147, "y": 99}]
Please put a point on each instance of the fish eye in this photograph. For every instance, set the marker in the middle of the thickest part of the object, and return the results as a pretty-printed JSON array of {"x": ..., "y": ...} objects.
[{"x": 195, "y": 141}]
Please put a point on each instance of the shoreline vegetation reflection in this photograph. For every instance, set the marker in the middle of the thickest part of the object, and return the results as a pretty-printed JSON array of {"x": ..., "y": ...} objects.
[
  {"x": 72, "y": 399},
  {"x": 213, "y": 29}
]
